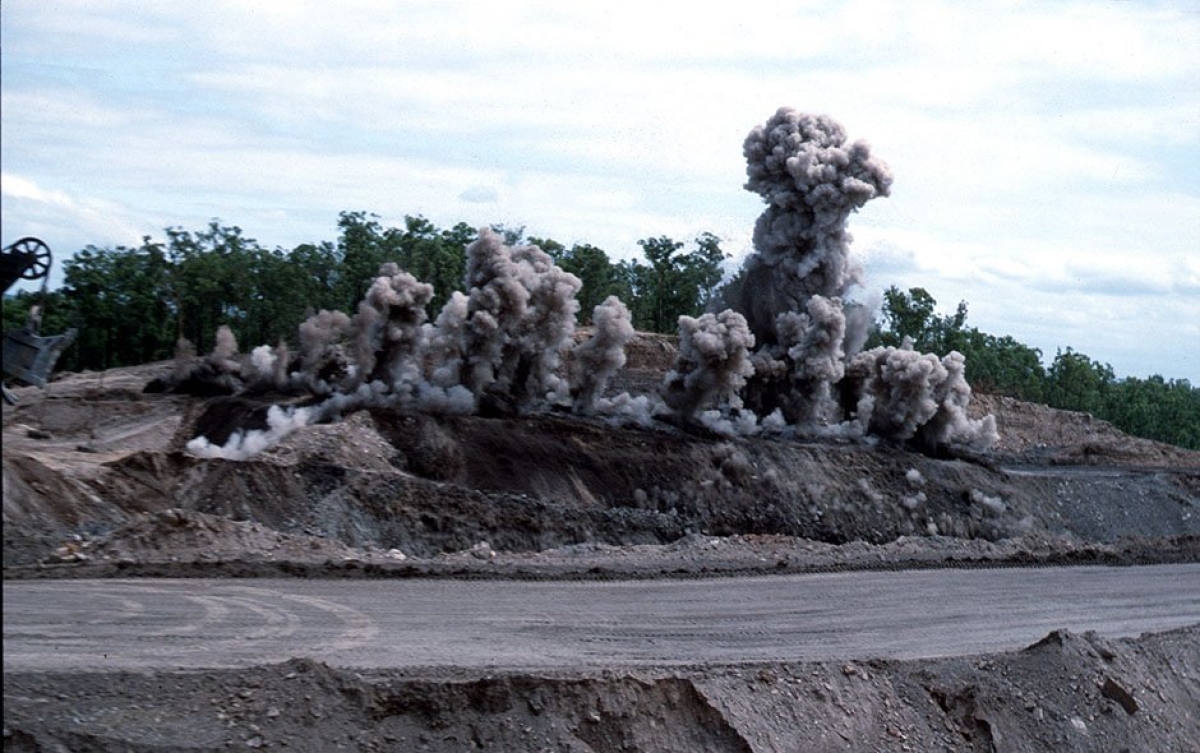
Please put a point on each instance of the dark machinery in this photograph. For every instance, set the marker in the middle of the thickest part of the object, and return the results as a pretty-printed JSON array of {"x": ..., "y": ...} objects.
[{"x": 28, "y": 357}]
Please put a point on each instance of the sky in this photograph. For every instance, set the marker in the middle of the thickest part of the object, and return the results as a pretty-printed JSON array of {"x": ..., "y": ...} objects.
[{"x": 1046, "y": 155}]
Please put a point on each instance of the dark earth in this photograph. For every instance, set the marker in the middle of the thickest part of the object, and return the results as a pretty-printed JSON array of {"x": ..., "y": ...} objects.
[{"x": 97, "y": 483}]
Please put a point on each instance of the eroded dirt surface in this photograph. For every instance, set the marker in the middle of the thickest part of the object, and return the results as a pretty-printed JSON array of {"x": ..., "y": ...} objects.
[
  {"x": 1066, "y": 693},
  {"x": 97, "y": 482},
  {"x": 95, "y": 470}
]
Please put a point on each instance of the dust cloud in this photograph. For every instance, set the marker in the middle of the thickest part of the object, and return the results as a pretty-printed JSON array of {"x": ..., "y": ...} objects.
[
  {"x": 785, "y": 358},
  {"x": 793, "y": 294},
  {"x": 598, "y": 359}
]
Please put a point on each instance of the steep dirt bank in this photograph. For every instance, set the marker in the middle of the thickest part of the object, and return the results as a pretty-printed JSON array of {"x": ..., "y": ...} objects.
[
  {"x": 1066, "y": 693},
  {"x": 88, "y": 459},
  {"x": 97, "y": 482}
]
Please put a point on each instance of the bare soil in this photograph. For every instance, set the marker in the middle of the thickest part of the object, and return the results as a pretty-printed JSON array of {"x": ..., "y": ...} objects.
[
  {"x": 97, "y": 483},
  {"x": 1068, "y": 692}
]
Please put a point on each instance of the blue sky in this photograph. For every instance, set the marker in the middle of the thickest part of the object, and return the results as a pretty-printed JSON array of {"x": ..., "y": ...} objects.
[{"x": 1046, "y": 154}]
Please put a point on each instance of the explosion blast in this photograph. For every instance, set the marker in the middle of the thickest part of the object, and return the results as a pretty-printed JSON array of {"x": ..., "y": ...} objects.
[{"x": 786, "y": 359}]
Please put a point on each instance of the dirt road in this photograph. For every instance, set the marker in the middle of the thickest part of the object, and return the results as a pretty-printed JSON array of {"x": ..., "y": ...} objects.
[{"x": 158, "y": 624}]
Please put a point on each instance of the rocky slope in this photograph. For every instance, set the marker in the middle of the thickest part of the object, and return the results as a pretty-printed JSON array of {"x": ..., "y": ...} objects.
[
  {"x": 87, "y": 460},
  {"x": 1066, "y": 693},
  {"x": 97, "y": 482}
]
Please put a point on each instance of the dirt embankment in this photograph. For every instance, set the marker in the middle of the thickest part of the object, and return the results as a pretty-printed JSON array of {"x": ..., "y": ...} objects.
[
  {"x": 97, "y": 482},
  {"x": 1037, "y": 434},
  {"x": 1066, "y": 693},
  {"x": 91, "y": 462}
]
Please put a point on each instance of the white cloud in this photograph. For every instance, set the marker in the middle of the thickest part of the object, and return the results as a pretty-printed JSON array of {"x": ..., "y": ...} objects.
[
  {"x": 480, "y": 195},
  {"x": 106, "y": 219}
]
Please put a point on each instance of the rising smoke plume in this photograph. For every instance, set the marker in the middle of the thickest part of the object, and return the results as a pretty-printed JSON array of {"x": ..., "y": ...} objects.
[
  {"x": 787, "y": 358},
  {"x": 793, "y": 296},
  {"x": 811, "y": 181},
  {"x": 712, "y": 365},
  {"x": 600, "y": 357},
  {"x": 498, "y": 347},
  {"x": 520, "y": 318},
  {"x": 387, "y": 330},
  {"x": 322, "y": 358}
]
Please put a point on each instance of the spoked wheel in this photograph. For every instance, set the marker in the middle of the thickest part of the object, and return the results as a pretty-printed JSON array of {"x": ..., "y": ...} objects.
[{"x": 38, "y": 252}]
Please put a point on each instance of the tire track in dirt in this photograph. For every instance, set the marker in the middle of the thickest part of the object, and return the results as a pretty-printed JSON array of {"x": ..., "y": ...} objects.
[{"x": 918, "y": 614}]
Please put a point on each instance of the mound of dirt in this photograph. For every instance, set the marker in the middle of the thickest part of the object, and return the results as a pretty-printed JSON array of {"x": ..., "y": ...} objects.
[
  {"x": 93, "y": 457},
  {"x": 1033, "y": 433},
  {"x": 98, "y": 482},
  {"x": 1068, "y": 692}
]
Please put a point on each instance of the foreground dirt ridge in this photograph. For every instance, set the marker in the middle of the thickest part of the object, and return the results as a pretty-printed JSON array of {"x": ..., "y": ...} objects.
[{"x": 1068, "y": 692}]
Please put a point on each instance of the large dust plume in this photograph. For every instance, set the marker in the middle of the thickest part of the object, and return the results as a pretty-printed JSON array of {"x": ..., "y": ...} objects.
[
  {"x": 521, "y": 310},
  {"x": 794, "y": 294},
  {"x": 811, "y": 181},
  {"x": 498, "y": 348},
  {"x": 712, "y": 365},
  {"x": 599, "y": 358},
  {"x": 786, "y": 358}
]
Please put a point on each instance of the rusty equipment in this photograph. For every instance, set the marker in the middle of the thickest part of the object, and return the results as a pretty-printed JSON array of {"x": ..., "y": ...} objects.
[{"x": 28, "y": 357}]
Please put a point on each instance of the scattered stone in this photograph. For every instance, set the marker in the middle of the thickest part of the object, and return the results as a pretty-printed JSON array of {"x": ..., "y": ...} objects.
[
  {"x": 1111, "y": 690},
  {"x": 483, "y": 551}
]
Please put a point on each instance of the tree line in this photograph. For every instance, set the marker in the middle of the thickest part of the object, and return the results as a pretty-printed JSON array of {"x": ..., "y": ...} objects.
[
  {"x": 133, "y": 305},
  {"x": 1156, "y": 408}
]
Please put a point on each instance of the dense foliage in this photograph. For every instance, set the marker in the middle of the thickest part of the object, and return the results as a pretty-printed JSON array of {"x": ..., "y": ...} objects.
[
  {"x": 133, "y": 305},
  {"x": 1157, "y": 408}
]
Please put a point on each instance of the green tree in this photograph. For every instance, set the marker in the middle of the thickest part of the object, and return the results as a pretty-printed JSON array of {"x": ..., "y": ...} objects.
[
  {"x": 431, "y": 254},
  {"x": 600, "y": 277},
  {"x": 672, "y": 284},
  {"x": 361, "y": 248},
  {"x": 118, "y": 300},
  {"x": 1166, "y": 410},
  {"x": 999, "y": 365},
  {"x": 906, "y": 314},
  {"x": 1003, "y": 366},
  {"x": 272, "y": 305},
  {"x": 1076, "y": 382},
  {"x": 510, "y": 235},
  {"x": 705, "y": 268},
  {"x": 212, "y": 280},
  {"x": 319, "y": 275}
]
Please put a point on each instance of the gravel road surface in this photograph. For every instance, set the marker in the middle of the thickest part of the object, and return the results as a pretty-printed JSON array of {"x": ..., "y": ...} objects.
[{"x": 104, "y": 625}]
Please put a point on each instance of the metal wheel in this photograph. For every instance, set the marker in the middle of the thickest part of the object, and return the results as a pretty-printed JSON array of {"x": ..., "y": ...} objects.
[{"x": 40, "y": 253}]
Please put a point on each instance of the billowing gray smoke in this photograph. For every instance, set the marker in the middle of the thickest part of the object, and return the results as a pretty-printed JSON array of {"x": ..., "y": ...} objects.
[
  {"x": 908, "y": 395},
  {"x": 712, "y": 365},
  {"x": 498, "y": 346},
  {"x": 387, "y": 329},
  {"x": 321, "y": 354},
  {"x": 445, "y": 340},
  {"x": 600, "y": 357},
  {"x": 520, "y": 318},
  {"x": 793, "y": 295},
  {"x": 811, "y": 181}
]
